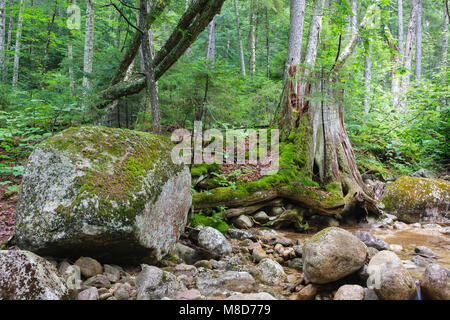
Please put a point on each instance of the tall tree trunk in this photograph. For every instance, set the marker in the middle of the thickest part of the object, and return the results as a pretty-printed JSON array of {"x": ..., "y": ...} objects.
[
  {"x": 47, "y": 43},
  {"x": 297, "y": 18},
  {"x": 267, "y": 44},
  {"x": 419, "y": 42},
  {"x": 252, "y": 36},
  {"x": 171, "y": 51},
  {"x": 354, "y": 17},
  {"x": 407, "y": 58},
  {"x": 88, "y": 45},
  {"x": 8, "y": 45},
  {"x": 319, "y": 134},
  {"x": 149, "y": 68},
  {"x": 445, "y": 42},
  {"x": 17, "y": 47},
  {"x": 2, "y": 36},
  {"x": 400, "y": 27},
  {"x": 367, "y": 77},
  {"x": 239, "y": 34}
]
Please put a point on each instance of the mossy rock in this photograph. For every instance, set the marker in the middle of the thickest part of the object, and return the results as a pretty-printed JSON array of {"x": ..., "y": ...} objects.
[
  {"x": 418, "y": 199},
  {"x": 107, "y": 193}
]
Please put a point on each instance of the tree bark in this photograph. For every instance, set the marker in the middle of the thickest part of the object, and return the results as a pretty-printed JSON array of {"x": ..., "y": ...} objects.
[
  {"x": 400, "y": 26},
  {"x": 407, "y": 58},
  {"x": 149, "y": 69},
  {"x": 252, "y": 36},
  {"x": 239, "y": 34},
  {"x": 2, "y": 36},
  {"x": 17, "y": 47},
  {"x": 267, "y": 44},
  {"x": 297, "y": 18},
  {"x": 88, "y": 45},
  {"x": 445, "y": 42},
  {"x": 418, "y": 70},
  {"x": 47, "y": 43},
  {"x": 367, "y": 78},
  {"x": 167, "y": 56},
  {"x": 157, "y": 7}
]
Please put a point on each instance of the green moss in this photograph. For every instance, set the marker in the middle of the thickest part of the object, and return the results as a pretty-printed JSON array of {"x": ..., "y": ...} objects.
[
  {"x": 210, "y": 221},
  {"x": 118, "y": 163}
]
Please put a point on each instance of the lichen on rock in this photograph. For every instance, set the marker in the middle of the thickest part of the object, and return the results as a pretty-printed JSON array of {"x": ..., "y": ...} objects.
[
  {"x": 107, "y": 193},
  {"x": 418, "y": 200}
]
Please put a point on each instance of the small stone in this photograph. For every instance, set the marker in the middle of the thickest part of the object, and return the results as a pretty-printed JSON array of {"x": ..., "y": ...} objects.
[
  {"x": 396, "y": 247},
  {"x": 370, "y": 294},
  {"x": 276, "y": 211},
  {"x": 214, "y": 241},
  {"x": 271, "y": 272},
  {"x": 239, "y": 234},
  {"x": 425, "y": 252},
  {"x": 419, "y": 261},
  {"x": 98, "y": 281},
  {"x": 243, "y": 222},
  {"x": 350, "y": 292},
  {"x": 123, "y": 292},
  {"x": 296, "y": 263},
  {"x": 445, "y": 230},
  {"x": 251, "y": 296},
  {"x": 307, "y": 293},
  {"x": 246, "y": 243},
  {"x": 279, "y": 248},
  {"x": 400, "y": 225},
  {"x": 192, "y": 294},
  {"x": 258, "y": 254},
  {"x": 261, "y": 217},
  {"x": 298, "y": 250},
  {"x": 88, "y": 294},
  {"x": 89, "y": 267},
  {"x": 112, "y": 273},
  {"x": 288, "y": 253},
  {"x": 203, "y": 263},
  {"x": 371, "y": 241},
  {"x": 188, "y": 254}
]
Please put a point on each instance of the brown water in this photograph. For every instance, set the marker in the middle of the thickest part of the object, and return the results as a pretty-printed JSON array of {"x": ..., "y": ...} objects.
[{"x": 408, "y": 238}]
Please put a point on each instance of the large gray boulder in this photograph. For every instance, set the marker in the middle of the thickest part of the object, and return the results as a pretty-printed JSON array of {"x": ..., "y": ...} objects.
[
  {"x": 436, "y": 282},
  {"x": 418, "y": 200},
  {"x": 389, "y": 278},
  {"x": 111, "y": 194},
  {"x": 332, "y": 254},
  {"x": 26, "y": 276}
]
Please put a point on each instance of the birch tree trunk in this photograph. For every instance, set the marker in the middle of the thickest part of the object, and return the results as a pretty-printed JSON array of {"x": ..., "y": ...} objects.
[
  {"x": 354, "y": 17},
  {"x": 252, "y": 37},
  {"x": 8, "y": 47},
  {"x": 418, "y": 69},
  {"x": 367, "y": 78},
  {"x": 149, "y": 69},
  {"x": 407, "y": 58},
  {"x": 239, "y": 34},
  {"x": 445, "y": 42},
  {"x": 297, "y": 18},
  {"x": 88, "y": 45},
  {"x": 267, "y": 44},
  {"x": 400, "y": 26},
  {"x": 17, "y": 47},
  {"x": 2, "y": 36}
]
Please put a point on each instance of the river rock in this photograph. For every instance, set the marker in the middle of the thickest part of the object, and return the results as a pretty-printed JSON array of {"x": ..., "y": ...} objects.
[
  {"x": 389, "y": 278},
  {"x": 243, "y": 222},
  {"x": 98, "y": 281},
  {"x": 89, "y": 267},
  {"x": 111, "y": 194},
  {"x": 188, "y": 254},
  {"x": 251, "y": 296},
  {"x": 218, "y": 282},
  {"x": 153, "y": 283},
  {"x": 349, "y": 292},
  {"x": 371, "y": 241},
  {"x": 192, "y": 294},
  {"x": 88, "y": 294},
  {"x": 332, "y": 254},
  {"x": 307, "y": 293},
  {"x": 258, "y": 254},
  {"x": 112, "y": 273},
  {"x": 214, "y": 241},
  {"x": 418, "y": 200},
  {"x": 239, "y": 234},
  {"x": 436, "y": 282},
  {"x": 261, "y": 217},
  {"x": 26, "y": 276},
  {"x": 271, "y": 272},
  {"x": 425, "y": 252}
]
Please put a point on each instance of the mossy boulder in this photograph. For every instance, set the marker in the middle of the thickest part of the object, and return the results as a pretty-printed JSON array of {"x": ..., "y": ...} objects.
[
  {"x": 26, "y": 276},
  {"x": 418, "y": 200},
  {"x": 111, "y": 194}
]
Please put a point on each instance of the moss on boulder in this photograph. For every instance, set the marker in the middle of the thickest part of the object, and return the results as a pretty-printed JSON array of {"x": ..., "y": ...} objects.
[
  {"x": 418, "y": 199},
  {"x": 108, "y": 193}
]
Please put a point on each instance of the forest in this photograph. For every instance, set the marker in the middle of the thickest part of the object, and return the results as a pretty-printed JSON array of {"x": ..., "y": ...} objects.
[{"x": 95, "y": 94}]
